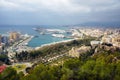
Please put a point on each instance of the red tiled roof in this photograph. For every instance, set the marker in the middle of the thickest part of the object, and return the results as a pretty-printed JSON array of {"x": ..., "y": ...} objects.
[{"x": 2, "y": 68}]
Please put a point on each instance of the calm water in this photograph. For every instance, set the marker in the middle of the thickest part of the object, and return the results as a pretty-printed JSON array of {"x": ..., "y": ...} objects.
[{"x": 37, "y": 41}]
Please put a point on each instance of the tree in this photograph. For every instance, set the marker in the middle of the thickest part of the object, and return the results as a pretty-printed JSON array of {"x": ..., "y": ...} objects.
[
  {"x": 67, "y": 74},
  {"x": 9, "y": 74},
  {"x": 85, "y": 71},
  {"x": 117, "y": 72}
]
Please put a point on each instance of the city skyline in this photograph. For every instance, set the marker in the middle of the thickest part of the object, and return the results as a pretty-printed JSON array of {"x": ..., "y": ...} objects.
[{"x": 58, "y": 12}]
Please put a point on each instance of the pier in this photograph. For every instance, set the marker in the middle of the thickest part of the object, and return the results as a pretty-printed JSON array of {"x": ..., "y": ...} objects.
[{"x": 19, "y": 47}]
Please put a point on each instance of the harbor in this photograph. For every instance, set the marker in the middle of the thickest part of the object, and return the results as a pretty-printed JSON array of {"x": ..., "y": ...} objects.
[
  {"x": 58, "y": 33},
  {"x": 53, "y": 43},
  {"x": 19, "y": 46}
]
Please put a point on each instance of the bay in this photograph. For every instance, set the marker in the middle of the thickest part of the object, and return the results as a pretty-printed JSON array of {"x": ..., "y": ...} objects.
[{"x": 28, "y": 29}]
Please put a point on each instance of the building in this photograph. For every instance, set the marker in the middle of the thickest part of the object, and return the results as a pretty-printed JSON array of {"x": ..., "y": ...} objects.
[
  {"x": 5, "y": 40},
  {"x": 14, "y": 36},
  {"x": 0, "y": 39},
  {"x": 0, "y": 49},
  {"x": 112, "y": 39},
  {"x": 116, "y": 41},
  {"x": 95, "y": 43},
  {"x": 107, "y": 39},
  {"x": 77, "y": 33},
  {"x": 2, "y": 68}
]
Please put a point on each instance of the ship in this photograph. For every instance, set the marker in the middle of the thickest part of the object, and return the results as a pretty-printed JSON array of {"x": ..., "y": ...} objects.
[{"x": 58, "y": 35}]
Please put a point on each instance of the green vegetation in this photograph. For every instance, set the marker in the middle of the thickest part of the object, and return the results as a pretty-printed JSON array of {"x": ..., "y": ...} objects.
[
  {"x": 19, "y": 67},
  {"x": 4, "y": 59},
  {"x": 52, "y": 50},
  {"x": 10, "y": 74},
  {"x": 102, "y": 66}
]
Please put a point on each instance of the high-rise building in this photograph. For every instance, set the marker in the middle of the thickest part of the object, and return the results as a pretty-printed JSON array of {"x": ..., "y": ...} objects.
[
  {"x": 14, "y": 36},
  {"x": 0, "y": 39},
  {"x": 4, "y": 40},
  {"x": 0, "y": 49}
]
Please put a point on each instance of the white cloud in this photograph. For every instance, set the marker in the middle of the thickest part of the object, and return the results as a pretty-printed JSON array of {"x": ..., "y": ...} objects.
[
  {"x": 64, "y": 6},
  {"x": 11, "y": 5},
  {"x": 60, "y": 6},
  {"x": 7, "y": 4}
]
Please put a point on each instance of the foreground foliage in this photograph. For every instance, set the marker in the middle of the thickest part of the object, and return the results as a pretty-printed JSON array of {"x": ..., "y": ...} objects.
[{"x": 103, "y": 66}]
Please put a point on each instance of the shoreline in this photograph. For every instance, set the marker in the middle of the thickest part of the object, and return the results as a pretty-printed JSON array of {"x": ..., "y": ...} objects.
[
  {"x": 19, "y": 46},
  {"x": 53, "y": 43}
]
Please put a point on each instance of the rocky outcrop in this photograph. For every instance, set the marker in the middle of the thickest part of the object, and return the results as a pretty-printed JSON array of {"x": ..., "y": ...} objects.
[{"x": 75, "y": 52}]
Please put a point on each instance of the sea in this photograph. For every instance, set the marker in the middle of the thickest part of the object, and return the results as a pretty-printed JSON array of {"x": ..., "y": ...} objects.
[{"x": 28, "y": 29}]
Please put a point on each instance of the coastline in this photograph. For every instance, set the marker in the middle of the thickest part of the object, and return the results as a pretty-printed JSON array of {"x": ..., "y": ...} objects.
[
  {"x": 23, "y": 45},
  {"x": 19, "y": 47},
  {"x": 53, "y": 43}
]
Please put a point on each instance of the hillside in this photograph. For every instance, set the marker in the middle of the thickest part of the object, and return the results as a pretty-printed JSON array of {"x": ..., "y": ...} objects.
[{"x": 100, "y": 63}]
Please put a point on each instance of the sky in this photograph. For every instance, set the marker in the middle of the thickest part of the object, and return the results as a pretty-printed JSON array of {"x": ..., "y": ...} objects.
[{"x": 58, "y": 12}]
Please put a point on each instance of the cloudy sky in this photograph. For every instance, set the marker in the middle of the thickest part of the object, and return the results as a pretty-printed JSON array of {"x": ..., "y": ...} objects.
[{"x": 57, "y": 12}]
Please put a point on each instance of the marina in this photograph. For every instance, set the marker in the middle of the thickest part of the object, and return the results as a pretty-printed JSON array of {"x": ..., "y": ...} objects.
[
  {"x": 20, "y": 46},
  {"x": 39, "y": 38}
]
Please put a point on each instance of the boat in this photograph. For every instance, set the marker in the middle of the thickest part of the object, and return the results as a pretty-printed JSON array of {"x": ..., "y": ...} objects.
[
  {"x": 58, "y": 35},
  {"x": 25, "y": 44}
]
